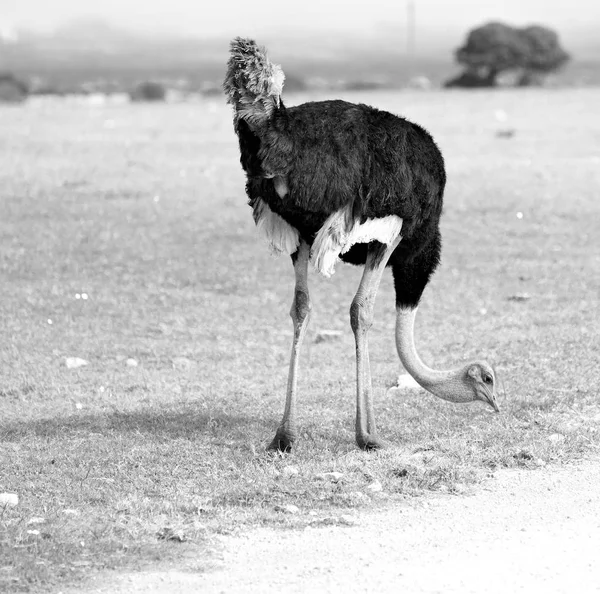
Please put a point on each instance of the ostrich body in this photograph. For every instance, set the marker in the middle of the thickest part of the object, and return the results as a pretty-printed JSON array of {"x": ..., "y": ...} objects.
[{"x": 335, "y": 180}]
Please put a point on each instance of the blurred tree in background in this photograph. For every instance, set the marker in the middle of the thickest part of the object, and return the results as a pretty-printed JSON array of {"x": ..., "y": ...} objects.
[
  {"x": 12, "y": 89},
  {"x": 544, "y": 54},
  {"x": 495, "y": 48},
  {"x": 149, "y": 91}
]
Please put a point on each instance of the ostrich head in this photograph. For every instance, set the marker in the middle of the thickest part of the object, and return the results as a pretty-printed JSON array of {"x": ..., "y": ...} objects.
[
  {"x": 472, "y": 383},
  {"x": 480, "y": 381}
]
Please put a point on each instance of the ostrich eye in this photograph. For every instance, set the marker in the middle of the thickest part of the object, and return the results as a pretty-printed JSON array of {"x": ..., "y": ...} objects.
[{"x": 488, "y": 379}]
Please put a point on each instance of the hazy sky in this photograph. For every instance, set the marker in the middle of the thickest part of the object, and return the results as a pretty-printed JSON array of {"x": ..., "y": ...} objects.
[{"x": 228, "y": 17}]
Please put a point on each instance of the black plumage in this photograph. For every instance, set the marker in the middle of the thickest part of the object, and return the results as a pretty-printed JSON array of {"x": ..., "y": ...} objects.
[
  {"x": 335, "y": 154},
  {"x": 335, "y": 151}
]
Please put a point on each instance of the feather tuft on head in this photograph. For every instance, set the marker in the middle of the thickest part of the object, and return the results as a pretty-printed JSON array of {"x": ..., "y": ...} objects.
[{"x": 253, "y": 84}]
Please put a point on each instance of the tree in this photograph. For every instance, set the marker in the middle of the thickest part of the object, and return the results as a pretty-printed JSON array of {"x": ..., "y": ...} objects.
[
  {"x": 544, "y": 53},
  {"x": 149, "y": 91},
  {"x": 496, "y": 47},
  {"x": 491, "y": 49},
  {"x": 12, "y": 89}
]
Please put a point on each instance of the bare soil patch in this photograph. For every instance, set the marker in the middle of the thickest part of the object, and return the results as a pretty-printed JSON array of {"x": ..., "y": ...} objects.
[{"x": 521, "y": 531}]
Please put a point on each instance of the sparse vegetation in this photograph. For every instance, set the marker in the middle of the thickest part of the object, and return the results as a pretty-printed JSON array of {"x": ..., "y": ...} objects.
[{"x": 185, "y": 327}]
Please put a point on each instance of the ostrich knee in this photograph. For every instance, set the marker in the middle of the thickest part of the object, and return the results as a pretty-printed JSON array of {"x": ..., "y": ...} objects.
[
  {"x": 361, "y": 316},
  {"x": 301, "y": 307}
]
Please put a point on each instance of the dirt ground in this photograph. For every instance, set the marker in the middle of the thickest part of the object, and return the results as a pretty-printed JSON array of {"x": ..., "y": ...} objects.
[{"x": 521, "y": 531}]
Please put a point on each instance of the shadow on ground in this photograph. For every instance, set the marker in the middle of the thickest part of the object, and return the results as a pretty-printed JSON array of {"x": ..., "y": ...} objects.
[{"x": 188, "y": 424}]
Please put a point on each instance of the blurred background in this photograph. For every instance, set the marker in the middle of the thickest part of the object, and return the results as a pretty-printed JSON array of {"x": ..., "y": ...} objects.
[{"x": 180, "y": 46}]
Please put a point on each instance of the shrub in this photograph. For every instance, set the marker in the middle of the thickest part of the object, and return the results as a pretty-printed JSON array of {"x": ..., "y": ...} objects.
[
  {"x": 12, "y": 89},
  {"x": 149, "y": 91},
  {"x": 495, "y": 48}
]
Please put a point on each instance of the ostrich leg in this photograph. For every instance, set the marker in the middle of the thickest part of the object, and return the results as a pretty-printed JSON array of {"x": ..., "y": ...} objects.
[
  {"x": 361, "y": 319},
  {"x": 300, "y": 313}
]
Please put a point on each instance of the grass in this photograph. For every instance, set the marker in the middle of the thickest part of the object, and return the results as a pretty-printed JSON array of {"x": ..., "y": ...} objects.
[{"x": 142, "y": 208}]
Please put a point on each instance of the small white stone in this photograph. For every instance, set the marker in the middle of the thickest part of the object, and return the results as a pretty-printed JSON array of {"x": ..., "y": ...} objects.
[
  {"x": 131, "y": 363},
  {"x": 77, "y": 296},
  {"x": 75, "y": 362},
  {"x": 331, "y": 476},
  {"x": 33, "y": 532},
  {"x": 78, "y": 406},
  {"x": 156, "y": 198},
  {"x": 406, "y": 382},
  {"x": 557, "y": 438},
  {"x": 375, "y": 487},
  {"x": 348, "y": 520},
  {"x": 519, "y": 215},
  {"x": 9, "y": 499},
  {"x": 36, "y": 521},
  {"x": 328, "y": 336},
  {"x": 500, "y": 115},
  {"x": 289, "y": 471},
  {"x": 84, "y": 296},
  {"x": 71, "y": 512},
  {"x": 50, "y": 321},
  {"x": 287, "y": 509}
]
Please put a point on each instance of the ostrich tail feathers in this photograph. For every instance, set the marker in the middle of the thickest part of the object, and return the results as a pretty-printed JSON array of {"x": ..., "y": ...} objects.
[{"x": 253, "y": 84}]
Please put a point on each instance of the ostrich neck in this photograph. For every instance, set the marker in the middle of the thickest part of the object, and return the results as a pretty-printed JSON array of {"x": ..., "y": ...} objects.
[{"x": 443, "y": 384}]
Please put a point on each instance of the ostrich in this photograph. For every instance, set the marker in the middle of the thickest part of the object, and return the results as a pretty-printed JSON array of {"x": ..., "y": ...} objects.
[{"x": 333, "y": 180}]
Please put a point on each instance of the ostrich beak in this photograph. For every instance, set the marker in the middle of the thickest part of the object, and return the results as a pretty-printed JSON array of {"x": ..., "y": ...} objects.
[{"x": 491, "y": 399}]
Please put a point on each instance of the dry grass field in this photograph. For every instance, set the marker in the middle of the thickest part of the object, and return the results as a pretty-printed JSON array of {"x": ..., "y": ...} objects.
[{"x": 124, "y": 234}]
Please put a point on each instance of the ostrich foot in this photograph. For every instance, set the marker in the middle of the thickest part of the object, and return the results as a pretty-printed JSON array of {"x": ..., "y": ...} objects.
[
  {"x": 369, "y": 443},
  {"x": 283, "y": 440}
]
